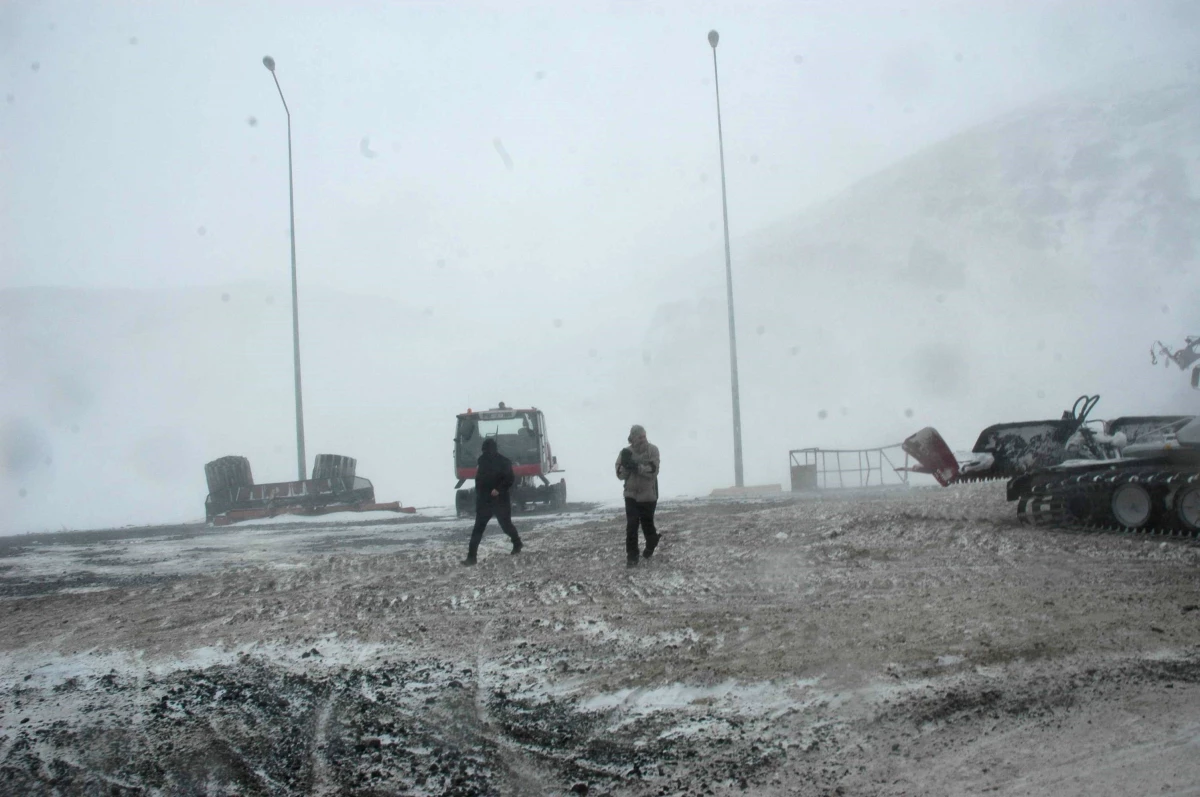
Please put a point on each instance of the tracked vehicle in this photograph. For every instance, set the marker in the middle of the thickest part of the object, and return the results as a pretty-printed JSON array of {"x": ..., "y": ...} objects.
[
  {"x": 1137, "y": 473},
  {"x": 521, "y": 436},
  {"x": 1154, "y": 485},
  {"x": 334, "y": 487}
]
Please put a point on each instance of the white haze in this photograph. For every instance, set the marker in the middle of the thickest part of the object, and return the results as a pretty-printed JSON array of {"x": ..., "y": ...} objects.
[{"x": 942, "y": 213}]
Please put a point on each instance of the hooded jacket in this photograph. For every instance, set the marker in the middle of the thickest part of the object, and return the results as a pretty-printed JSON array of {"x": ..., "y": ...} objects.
[
  {"x": 495, "y": 472},
  {"x": 642, "y": 484}
]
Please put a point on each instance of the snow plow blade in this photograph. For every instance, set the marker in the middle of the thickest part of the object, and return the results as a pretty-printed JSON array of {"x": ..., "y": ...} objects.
[{"x": 935, "y": 457}]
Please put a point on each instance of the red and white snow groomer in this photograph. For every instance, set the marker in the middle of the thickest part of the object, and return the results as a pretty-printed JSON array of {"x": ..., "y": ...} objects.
[{"x": 521, "y": 436}]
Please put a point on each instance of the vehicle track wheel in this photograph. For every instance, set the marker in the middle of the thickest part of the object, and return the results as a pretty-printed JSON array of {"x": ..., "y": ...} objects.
[
  {"x": 558, "y": 495},
  {"x": 1187, "y": 505},
  {"x": 1079, "y": 508},
  {"x": 334, "y": 466},
  {"x": 1131, "y": 505},
  {"x": 228, "y": 473}
]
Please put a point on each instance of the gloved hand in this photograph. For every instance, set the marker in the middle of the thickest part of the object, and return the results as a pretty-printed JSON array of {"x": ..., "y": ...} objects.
[{"x": 627, "y": 462}]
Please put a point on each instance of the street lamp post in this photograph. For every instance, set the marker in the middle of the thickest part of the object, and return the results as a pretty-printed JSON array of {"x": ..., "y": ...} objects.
[
  {"x": 713, "y": 37},
  {"x": 269, "y": 63}
]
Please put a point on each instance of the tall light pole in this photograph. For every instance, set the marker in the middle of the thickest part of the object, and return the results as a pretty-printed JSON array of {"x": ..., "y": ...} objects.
[
  {"x": 269, "y": 63},
  {"x": 713, "y": 37}
]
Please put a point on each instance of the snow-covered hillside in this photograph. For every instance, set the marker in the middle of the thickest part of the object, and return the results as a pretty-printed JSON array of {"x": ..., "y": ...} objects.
[{"x": 995, "y": 276}]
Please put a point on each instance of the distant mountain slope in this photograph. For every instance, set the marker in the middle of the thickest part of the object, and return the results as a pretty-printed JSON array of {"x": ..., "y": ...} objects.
[
  {"x": 993, "y": 276},
  {"x": 1085, "y": 182}
]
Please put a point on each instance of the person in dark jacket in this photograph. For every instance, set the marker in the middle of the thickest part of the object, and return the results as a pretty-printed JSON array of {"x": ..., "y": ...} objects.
[{"x": 493, "y": 479}]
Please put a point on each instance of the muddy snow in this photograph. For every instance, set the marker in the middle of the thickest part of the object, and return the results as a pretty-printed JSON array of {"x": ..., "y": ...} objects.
[{"x": 910, "y": 642}]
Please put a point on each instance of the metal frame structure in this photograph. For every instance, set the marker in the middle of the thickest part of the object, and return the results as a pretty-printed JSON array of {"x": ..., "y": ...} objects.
[{"x": 867, "y": 461}]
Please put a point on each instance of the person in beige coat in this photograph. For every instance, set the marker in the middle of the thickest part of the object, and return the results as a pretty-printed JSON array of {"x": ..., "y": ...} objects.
[{"x": 637, "y": 466}]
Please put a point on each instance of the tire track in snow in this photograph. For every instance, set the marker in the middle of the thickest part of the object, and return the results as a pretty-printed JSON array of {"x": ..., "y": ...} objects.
[
  {"x": 528, "y": 780},
  {"x": 320, "y": 764}
]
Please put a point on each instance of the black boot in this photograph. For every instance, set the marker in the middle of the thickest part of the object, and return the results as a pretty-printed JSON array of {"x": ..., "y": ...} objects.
[
  {"x": 631, "y": 561},
  {"x": 470, "y": 560},
  {"x": 651, "y": 544},
  {"x": 517, "y": 545}
]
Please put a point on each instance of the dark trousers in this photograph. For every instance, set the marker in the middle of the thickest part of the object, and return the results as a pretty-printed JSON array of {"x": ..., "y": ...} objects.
[
  {"x": 639, "y": 512},
  {"x": 500, "y": 507}
]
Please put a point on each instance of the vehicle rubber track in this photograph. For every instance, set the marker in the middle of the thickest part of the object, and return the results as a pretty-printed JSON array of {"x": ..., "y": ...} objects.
[
  {"x": 1143, "y": 499},
  {"x": 982, "y": 477}
]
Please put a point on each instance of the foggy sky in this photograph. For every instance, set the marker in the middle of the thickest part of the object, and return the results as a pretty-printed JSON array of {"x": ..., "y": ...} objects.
[
  {"x": 117, "y": 153},
  {"x": 541, "y": 177}
]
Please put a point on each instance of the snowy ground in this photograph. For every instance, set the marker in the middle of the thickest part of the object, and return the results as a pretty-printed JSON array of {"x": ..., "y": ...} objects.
[{"x": 912, "y": 642}]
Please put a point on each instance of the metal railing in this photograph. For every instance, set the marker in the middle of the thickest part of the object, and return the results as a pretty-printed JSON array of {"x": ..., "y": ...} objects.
[{"x": 852, "y": 468}]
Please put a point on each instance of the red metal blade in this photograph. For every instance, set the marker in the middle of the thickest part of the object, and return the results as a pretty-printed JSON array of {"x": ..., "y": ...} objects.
[{"x": 928, "y": 448}]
